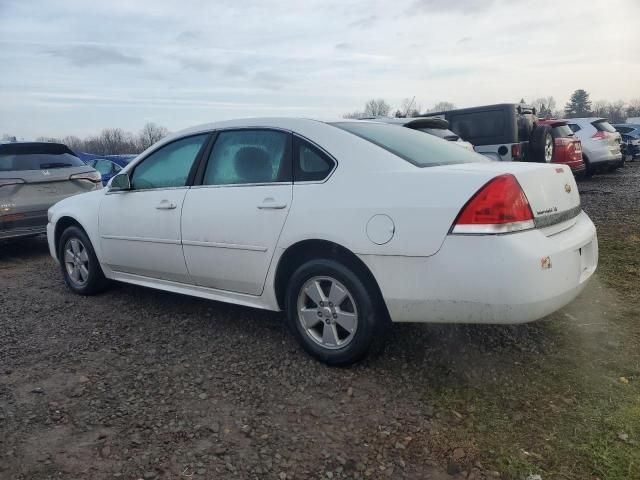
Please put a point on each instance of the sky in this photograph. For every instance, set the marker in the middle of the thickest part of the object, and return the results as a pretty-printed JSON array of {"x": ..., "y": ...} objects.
[{"x": 76, "y": 67}]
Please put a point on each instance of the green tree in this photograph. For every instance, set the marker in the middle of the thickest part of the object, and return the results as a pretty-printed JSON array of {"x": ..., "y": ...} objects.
[{"x": 579, "y": 105}]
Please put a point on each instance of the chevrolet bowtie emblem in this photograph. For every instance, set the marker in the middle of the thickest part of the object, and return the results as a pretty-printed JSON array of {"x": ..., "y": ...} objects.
[{"x": 567, "y": 188}]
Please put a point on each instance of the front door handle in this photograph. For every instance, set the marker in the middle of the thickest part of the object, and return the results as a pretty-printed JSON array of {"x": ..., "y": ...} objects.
[{"x": 166, "y": 205}]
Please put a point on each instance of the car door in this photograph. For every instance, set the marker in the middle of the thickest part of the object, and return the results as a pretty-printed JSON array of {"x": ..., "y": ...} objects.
[
  {"x": 232, "y": 221},
  {"x": 140, "y": 227}
]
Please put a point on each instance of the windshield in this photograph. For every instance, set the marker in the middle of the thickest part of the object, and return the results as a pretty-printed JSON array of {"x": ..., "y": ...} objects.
[
  {"x": 36, "y": 156},
  {"x": 411, "y": 145}
]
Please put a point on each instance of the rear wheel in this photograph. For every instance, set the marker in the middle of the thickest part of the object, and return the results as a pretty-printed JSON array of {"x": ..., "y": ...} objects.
[
  {"x": 335, "y": 314},
  {"x": 542, "y": 144},
  {"x": 80, "y": 267},
  {"x": 588, "y": 169}
]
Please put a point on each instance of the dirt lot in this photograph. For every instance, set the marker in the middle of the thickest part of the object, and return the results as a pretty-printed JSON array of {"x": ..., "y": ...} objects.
[{"x": 137, "y": 383}]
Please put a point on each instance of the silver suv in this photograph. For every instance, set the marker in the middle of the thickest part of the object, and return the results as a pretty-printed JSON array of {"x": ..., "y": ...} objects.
[
  {"x": 34, "y": 176},
  {"x": 600, "y": 143}
]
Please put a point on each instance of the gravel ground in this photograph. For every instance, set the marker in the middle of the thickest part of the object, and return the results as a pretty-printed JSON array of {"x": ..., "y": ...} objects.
[{"x": 137, "y": 383}]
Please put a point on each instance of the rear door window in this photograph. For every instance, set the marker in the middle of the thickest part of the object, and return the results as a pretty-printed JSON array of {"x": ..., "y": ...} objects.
[
  {"x": 249, "y": 156},
  {"x": 574, "y": 128}
]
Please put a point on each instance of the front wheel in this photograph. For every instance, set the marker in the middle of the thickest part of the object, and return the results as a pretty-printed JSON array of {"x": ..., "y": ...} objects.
[
  {"x": 80, "y": 267},
  {"x": 334, "y": 313}
]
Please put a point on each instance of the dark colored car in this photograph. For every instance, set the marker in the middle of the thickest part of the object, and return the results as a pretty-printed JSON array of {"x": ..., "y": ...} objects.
[
  {"x": 503, "y": 131},
  {"x": 630, "y": 139},
  {"x": 108, "y": 165},
  {"x": 567, "y": 147}
]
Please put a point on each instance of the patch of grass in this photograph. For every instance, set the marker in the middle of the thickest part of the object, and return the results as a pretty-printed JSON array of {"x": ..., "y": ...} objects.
[
  {"x": 554, "y": 421},
  {"x": 619, "y": 265}
]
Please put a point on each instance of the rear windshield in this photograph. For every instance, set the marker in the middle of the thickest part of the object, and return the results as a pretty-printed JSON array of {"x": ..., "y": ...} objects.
[
  {"x": 36, "y": 156},
  {"x": 413, "y": 146},
  {"x": 441, "y": 133},
  {"x": 562, "y": 131},
  {"x": 603, "y": 126}
]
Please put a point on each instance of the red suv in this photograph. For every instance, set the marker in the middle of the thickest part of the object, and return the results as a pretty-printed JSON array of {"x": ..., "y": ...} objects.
[{"x": 567, "y": 147}]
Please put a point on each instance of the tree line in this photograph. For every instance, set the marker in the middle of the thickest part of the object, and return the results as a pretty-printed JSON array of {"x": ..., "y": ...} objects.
[
  {"x": 110, "y": 141},
  {"x": 579, "y": 105}
]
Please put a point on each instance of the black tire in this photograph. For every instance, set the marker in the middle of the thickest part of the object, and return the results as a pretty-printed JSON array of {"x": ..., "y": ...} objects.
[
  {"x": 540, "y": 142},
  {"x": 372, "y": 319},
  {"x": 588, "y": 169},
  {"x": 95, "y": 281}
]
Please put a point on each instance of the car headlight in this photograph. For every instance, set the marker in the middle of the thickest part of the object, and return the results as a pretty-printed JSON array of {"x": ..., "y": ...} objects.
[{"x": 92, "y": 176}]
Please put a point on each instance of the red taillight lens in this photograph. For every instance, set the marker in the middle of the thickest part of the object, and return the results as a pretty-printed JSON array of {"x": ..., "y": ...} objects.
[
  {"x": 516, "y": 151},
  {"x": 499, "y": 207},
  {"x": 599, "y": 135}
]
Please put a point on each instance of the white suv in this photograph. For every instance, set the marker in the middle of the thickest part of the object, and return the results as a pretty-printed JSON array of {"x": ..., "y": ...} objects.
[{"x": 600, "y": 143}]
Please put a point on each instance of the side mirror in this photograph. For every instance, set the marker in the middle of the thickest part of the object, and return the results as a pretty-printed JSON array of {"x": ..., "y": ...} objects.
[{"x": 120, "y": 182}]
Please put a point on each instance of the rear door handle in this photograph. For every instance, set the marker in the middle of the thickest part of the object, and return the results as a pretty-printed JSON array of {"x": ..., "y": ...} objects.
[
  {"x": 272, "y": 206},
  {"x": 166, "y": 205}
]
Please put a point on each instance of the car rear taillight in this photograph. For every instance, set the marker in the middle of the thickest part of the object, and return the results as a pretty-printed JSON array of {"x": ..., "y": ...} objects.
[
  {"x": 516, "y": 151},
  {"x": 500, "y": 206},
  {"x": 93, "y": 176},
  {"x": 599, "y": 135}
]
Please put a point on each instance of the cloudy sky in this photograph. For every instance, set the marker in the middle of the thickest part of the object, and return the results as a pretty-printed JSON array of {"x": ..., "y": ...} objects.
[{"x": 75, "y": 67}]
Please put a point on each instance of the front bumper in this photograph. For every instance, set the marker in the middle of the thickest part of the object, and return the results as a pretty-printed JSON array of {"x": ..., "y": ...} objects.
[{"x": 498, "y": 279}]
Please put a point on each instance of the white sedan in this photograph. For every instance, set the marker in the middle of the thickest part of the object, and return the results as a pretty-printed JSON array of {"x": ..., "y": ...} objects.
[{"x": 346, "y": 226}]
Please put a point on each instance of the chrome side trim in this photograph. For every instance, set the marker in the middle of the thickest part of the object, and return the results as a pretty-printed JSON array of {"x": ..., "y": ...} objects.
[
  {"x": 548, "y": 220},
  {"x": 141, "y": 239},
  {"x": 235, "y": 246}
]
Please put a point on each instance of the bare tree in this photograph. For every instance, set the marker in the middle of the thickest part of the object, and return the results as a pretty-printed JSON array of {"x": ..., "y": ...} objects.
[
  {"x": 8, "y": 138},
  {"x": 150, "y": 134},
  {"x": 114, "y": 141},
  {"x": 633, "y": 109},
  {"x": 545, "y": 106},
  {"x": 442, "y": 107},
  {"x": 373, "y": 108},
  {"x": 74, "y": 143}
]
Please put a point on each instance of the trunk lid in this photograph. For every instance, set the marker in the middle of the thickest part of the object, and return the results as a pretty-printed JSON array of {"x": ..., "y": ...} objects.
[{"x": 550, "y": 189}]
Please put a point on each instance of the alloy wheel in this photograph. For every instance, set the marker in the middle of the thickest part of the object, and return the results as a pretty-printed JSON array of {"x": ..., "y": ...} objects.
[
  {"x": 327, "y": 312},
  {"x": 76, "y": 261}
]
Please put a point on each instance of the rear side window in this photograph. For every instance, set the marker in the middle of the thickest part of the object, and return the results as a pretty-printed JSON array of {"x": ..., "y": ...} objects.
[
  {"x": 36, "y": 156},
  {"x": 169, "y": 166},
  {"x": 624, "y": 129},
  {"x": 562, "y": 131},
  {"x": 411, "y": 145},
  {"x": 603, "y": 126},
  {"x": 574, "y": 128},
  {"x": 249, "y": 156},
  {"x": 310, "y": 163}
]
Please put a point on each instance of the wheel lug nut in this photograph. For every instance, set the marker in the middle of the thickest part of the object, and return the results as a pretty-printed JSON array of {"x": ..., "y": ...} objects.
[
  {"x": 335, "y": 315},
  {"x": 322, "y": 304},
  {"x": 331, "y": 304},
  {"x": 320, "y": 314}
]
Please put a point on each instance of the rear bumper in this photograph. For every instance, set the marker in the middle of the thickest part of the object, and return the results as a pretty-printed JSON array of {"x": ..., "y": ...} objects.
[
  {"x": 22, "y": 232},
  {"x": 489, "y": 279}
]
